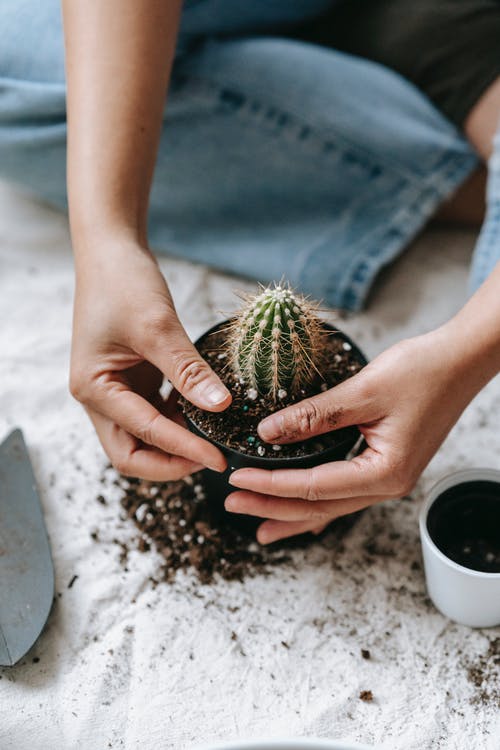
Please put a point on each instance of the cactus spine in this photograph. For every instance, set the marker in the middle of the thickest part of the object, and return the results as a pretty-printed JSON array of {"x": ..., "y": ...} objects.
[{"x": 276, "y": 342}]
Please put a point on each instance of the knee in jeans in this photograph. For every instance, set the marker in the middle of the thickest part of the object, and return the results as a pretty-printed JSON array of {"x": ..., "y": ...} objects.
[{"x": 32, "y": 46}]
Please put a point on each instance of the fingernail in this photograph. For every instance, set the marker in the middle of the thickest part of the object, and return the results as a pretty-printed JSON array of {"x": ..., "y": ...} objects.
[
  {"x": 219, "y": 468},
  {"x": 239, "y": 475},
  {"x": 215, "y": 394},
  {"x": 229, "y": 504},
  {"x": 270, "y": 427},
  {"x": 263, "y": 538}
]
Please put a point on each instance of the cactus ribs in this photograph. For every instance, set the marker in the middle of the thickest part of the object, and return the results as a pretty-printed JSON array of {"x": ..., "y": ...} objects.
[{"x": 276, "y": 343}]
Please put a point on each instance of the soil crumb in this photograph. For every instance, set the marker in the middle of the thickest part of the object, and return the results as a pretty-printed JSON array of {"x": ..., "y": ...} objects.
[
  {"x": 176, "y": 519},
  {"x": 366, "y": 696},
  {"x": 484, "y": 674}
]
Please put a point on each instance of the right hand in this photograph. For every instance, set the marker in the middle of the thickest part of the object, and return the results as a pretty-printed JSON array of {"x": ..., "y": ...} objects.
[{"x": 126, "y": 339}]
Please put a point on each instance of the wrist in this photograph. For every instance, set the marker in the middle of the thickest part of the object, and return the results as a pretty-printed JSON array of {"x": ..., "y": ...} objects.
[
  {"x": 102, "y": 205},
  {"x": 111, "y": 249},
  {"x": 93, "y": 231},
  {"x": 471, "y": 349},
  {"x": 475, "y": 329}
]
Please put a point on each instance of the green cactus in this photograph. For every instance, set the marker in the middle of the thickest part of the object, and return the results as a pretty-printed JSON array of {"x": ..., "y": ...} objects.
[{"x": 276, "y": 342}]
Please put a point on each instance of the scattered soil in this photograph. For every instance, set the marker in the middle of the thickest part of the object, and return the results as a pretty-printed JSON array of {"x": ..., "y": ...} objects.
[
  {"x": 175, "y": 518},
  {"x": 366, "y": 696},
  {"x": 484, "y": 674},
  {"x": 236, "y": 427}
]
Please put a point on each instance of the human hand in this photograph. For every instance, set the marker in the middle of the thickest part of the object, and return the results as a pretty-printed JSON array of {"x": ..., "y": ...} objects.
[
  {"x": 404, "y": 403},
  {"x": 126, "y": 338}
]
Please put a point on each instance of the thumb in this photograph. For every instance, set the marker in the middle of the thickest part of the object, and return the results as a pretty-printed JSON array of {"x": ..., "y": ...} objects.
[
  {"x": 346, "y": 404},
  {"x": 175, "y": 355}
]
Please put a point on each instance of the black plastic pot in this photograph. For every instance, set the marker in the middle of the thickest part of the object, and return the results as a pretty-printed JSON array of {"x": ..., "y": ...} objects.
[{"x": 217, "y": 484}]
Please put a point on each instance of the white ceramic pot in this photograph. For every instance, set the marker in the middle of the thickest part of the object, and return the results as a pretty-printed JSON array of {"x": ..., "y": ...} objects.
[
  {"x": 469, "y": 597},
  {"x": 291, "y": 744}
]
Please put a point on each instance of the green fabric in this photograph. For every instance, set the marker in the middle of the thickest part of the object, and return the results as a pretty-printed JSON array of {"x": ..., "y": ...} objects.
[{"x": 450, "y": 49}]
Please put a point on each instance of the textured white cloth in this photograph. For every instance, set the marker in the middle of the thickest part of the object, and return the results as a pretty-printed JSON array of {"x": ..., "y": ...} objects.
[{"x": 122, "y": 665}]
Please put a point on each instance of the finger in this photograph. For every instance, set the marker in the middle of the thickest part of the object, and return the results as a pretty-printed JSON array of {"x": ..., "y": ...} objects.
[
  {"x": 320, "y": 529},
  {"x": 272, "y": 531},
  {"x": 344, "y": 405},
  {"x": 280, "y": 509},
  {"x": 363, "y": 475},
  {"x": 142, "y": 420},
  {"x": 170, "y": 408},
  {"x": 129, "y": 457},
  {"x": 176, "y": 356}
]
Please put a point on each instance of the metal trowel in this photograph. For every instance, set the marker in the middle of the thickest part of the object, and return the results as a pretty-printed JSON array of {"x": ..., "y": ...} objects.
[{"x": 26, "y": 569}]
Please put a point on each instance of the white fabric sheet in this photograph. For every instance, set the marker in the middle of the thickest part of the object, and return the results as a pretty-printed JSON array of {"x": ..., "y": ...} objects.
[{"x": 124, "y": 666}]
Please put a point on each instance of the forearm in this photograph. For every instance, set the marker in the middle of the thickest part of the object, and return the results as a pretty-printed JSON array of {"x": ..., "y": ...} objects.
[
  {"x": 482, "y": 121},
  {"x": 474, "y": 333},
  {"x": 473, "y": 336},
  {"x": 118, "y": 58}
]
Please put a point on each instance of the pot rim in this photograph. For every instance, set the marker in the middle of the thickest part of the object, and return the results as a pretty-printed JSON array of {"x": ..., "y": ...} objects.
[
  {"x": 288, "y": 744},
  {"x": 286, "y": 460},
  {"x": 454, "y": 479}
]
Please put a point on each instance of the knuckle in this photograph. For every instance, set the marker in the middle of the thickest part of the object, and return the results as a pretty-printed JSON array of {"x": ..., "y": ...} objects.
[
  {"x": 406, "y": 486},
  {"x": 316, "y": 515},
  {"x": 78, "y": 386},
  {"x": 155, "y": 327},
  {"x": 147, "y": 431},
  {"x": 399, "y": 480},
  {"x": 121, "y": 462},
  {"x": 189, "y": 370},
  {"x": 304, "y": 418},
  {"x": 366, "y": 385},
  {"x": 273, "y": 483},
  {"x": 311, "y": 491}
]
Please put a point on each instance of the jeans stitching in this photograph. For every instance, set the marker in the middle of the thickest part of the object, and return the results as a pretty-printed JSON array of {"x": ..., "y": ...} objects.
[
  {"x": 323, "y": 134},
  {"x": 372, "y": 259},
  {"x": 444, "y": 175},
  {"x": 331, "y": 140}
]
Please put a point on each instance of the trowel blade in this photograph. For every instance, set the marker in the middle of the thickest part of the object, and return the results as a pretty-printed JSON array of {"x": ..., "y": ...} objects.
[{"x": 26, "y": 569}]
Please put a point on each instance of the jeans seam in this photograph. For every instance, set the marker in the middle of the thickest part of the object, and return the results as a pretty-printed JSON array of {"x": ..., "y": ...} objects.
[
  {"x": 421, "y": 207},
  {"x": 330, "y": 137},
  {"x": 445, "y": 174},
  {"x": 331, "y": 140},
  {"x": 486, "y": 251}
]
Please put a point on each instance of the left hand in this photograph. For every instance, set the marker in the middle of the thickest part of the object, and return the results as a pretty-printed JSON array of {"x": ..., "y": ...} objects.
[{"x": 404, "y": 403}]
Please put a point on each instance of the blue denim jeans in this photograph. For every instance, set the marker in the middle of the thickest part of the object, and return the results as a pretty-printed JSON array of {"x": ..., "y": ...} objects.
[
  {"x": 487, "y": 250},
  {"x": 277, "y": 157}
]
